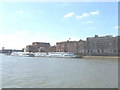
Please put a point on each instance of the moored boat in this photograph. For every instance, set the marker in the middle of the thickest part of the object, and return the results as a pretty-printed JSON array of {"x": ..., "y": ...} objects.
[
  {"x": 63, "y": 55},
  {"x": 44, "y": 54},
  {"x": 29, "y": 55},
  {"x": 22, "y": 54},
  {"x": 40, "y": 54}
]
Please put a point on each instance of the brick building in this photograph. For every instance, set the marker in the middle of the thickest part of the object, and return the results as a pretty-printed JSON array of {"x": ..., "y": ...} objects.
[
  {"x": 71, "y": 46},
  {"x": 62, "y": 46},
  {"x": 52, "y": 49}
]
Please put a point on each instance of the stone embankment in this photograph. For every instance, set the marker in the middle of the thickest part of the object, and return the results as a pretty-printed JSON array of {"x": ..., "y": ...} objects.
[{"x": 109, "y": 57}]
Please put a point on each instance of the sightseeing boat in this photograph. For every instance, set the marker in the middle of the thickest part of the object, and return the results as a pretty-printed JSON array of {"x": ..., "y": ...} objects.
[
  {"x": 63, "y": 55},
  {"x": 44, "y": 54}
]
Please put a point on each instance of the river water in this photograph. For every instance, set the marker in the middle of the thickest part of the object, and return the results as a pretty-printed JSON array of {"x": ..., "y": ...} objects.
[{"x": 42, "y": 72}]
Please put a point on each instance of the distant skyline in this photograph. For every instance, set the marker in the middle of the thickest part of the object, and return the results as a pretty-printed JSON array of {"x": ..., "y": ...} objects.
[{"x": 22, "y": 23}]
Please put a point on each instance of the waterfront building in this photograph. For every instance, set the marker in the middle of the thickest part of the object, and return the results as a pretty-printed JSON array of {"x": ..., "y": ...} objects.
[
  {"x": 93, "y": 46},
  {"x": 67, "y": 46},
  {"x": 38, "y": 47},
  {"x": 76, "y": 47},
  {"x": 31, "y": 48},
  {"x": 62, "y": 46},
  {"x": 52, "y": 49},
  {"x": 81, "y": 47},
  {"x": 102, "y": 46}
]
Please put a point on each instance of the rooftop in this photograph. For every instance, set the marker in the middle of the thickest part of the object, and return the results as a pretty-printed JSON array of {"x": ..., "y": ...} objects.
[{"x": 41, "y": 42}]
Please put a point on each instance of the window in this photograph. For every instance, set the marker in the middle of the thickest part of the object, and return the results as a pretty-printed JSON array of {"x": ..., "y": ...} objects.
[
  {"x": 98, "y": 50},
  {"x": 102, "y": 50},
  {"x": 88, "y": 50},
  {"x": 91, "y": 50}
]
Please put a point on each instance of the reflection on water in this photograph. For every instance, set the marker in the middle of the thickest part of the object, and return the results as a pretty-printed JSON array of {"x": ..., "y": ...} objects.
[{"x": 37, "y": 72}]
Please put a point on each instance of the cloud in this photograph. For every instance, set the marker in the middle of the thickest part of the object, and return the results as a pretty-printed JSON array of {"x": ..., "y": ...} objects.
[
  {"x": 89, "y": 22},
  {"x": 20, "y": 12},
  {"x": 94, "y": 13},
  {"x": 69, "y": 15},
  {"x": 116, "y": 27},
  {"x": 87, "y": 14},
  {"x": 78, "y": 16},
  {"x": 83, "y": 15}
]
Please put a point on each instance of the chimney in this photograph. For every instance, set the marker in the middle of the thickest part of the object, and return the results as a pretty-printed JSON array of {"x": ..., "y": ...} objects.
[{"x": 96, "y": 35}]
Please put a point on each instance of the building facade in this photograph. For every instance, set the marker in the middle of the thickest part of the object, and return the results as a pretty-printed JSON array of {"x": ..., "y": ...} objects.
[
  {"x": 102, "y": 46},
  {"x": 81, "y": 47},
  {"x": 93, "y": 46},
  {"x": 62, "y": 46},
  {"x": 76, "y": 47},
  {"x": 52, "y": 49},
  {"x": 38, "y": 47}
]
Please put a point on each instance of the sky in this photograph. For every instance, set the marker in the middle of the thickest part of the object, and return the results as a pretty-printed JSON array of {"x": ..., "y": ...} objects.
[{"x": 22, "y": 23}]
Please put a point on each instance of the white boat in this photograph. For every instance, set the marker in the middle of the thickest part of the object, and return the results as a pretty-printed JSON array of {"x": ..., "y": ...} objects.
[
  {"x": 22, "y": 54},
  {"x": 14, "y": 53},
  {"x": 70, "y": 55},
  {"x": 28, "y": 55},
  {"x": 55, "y": 54},
  {"x": 44, "y": 54},
  {"x": 63, "y": 55},
  {"x": 40, "y": 54}
]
